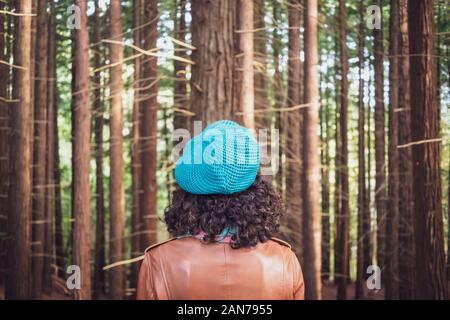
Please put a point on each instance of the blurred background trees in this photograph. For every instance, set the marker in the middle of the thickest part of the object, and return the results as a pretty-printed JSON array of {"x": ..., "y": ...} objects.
[{"x": 87, "y": 116}]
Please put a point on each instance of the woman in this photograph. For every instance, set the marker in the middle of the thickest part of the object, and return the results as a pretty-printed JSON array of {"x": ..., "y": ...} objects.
[{"x": 222, "y": 218}]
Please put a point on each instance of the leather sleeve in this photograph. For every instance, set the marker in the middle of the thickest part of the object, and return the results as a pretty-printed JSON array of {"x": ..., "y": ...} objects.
[
  {"x": 299, "y": 284},
  {"x": 145, "y": 285}
]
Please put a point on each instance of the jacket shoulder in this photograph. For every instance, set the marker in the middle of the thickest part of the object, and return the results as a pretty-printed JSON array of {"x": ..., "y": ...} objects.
[
  {"x": 158, "y": 244},
  {"x": 282, "y": 242}
]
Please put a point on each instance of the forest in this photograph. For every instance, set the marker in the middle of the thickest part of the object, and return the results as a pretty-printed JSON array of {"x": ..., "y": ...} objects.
[{"x": 350, "y": 98}]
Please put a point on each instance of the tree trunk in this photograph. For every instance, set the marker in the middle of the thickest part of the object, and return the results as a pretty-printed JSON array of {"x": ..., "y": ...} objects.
[
  {"x": 212, "y": 75},
  {"x": 49, "y": 258},
  {"x": 262, "y": 120},
  {"x": 99, "y": 275},
  {"x": 33, "y": 68},
  {"x": 19, "y": 211},
  {"x": 116, "y": 188},
  {"x": 448, "y": 186},
  {"x": 368, "y": 246},
  {"x": 59, "y": 241},
  {"x": 380, "y": 154},
  {"x": 81, "y": 207},
  {"x": 362, "y": 231},
  {"x": 247, "y": 97},
  {"x": 325, "y": 176},
  {"x": 344, "y": 214},
  {"x": 406, "y": 203},
  {"x": 431, "y": 278},
  {"x": 392, "y": 219},
  {"x": 279, "y": 90},
  {"x": 337, "y": 165},
  {"x": 136, "y": 173},
  {"x": 4, "y": 139},
  {"x": 58, "y": 228},
  {"x": 181, "y": 99},
  {"x": 294, "y": 219},
  {"x": 311, "y": 163},
  {"x": 40, "y": 145},
  {"x": 149, "y": 127}
]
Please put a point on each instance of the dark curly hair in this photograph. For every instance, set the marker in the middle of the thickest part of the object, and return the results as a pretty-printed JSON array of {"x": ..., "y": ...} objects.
[{"x": 255, "y": 213}]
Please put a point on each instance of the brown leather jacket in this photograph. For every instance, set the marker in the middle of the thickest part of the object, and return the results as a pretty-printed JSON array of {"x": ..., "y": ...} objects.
[{"x": 187, "y": 268}]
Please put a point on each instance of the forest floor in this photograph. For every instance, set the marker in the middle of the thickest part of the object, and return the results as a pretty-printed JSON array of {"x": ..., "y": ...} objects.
[{"x": 329, "y": 291}]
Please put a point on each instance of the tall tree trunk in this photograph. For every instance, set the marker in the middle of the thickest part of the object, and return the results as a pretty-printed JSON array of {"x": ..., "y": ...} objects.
[
  {"x": 431, "y": 278},
  {"x": 448, "y": 186},
  {"x": 181, "y": 99},
  {"x": 325, "y": 179},
  {"x": 311, "y": 163},
  {"x": 135, "y": 148},
  {"x": 212, "y": 75},
  {"x": 40, "y": 145},
  {"x": 19, "y": 196},
  {"x": 294, "y": 219},
  {"x": 149, "y": 127},
  {"x": 344, "y": 214},
  {"x": 58, "y": 227},
  {"x": 368, "y": 246},
  {"x": 4, "y": 138},
  {"x": 99, "y": 275},
  {"x": 337, "y": 164},
  {"x": 59, "y": 241},
  {"x": 262, "y": 120},
  {"x": 49, "y": 258},
  {"x": 392, "y": 219},
  {"x": 81, "y": 196},
  {"x": 362, "y": 232},
  {"x": 406, "y": 202},
  {"x": 247, "y": 97},
  {"x": 33, "y": 68},
  {"x": 116, "y": 188},
  {"x": 448, "y": 215},
  {"x": 380, "y": 154},
  {"x": 279, "y": 95}
]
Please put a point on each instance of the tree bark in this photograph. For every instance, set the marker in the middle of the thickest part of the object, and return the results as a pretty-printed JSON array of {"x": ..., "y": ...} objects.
[
  {"x": 406, "y": 203},
  {"x": 260, "y": 69},
  {"x": 431, "y": 278},
  {"x": 59, "y": 241},
  {"x": 99, "y": 275},
  {"x": 136, "y": 223},
  {"x": 311, "y": 162},
  {"x": 280, "y": 120},
  {"x": 343, "y": 198},
  {"x": 81, "y": 207},
  {"x": 40, "y": 145},
  {"x": 337, "y": 163},
  {"x": 49, "y": 258},
  {"x": 212, "y": 75},
  {"x": 392, "y": 221},
  {"x": 116, "y": 192},
  {"x": 19, "y": 211},
  {"x": 149, "y": 127},
  {"x": 181, "y": 99},
  {"x": 4, "y": 139},
  {"x": 294, "y": 220},
  {"x": 325, "y": 179},
  {"x": 362, "y": 231},
  {"x": 448, "y": 186},
  {"x": 247, "y": 97},
  {"x": 380, "y": 154}
]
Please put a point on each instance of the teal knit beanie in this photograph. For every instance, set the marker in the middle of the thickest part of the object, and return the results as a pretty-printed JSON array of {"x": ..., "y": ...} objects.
[{"x": 223, "y": 159}]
